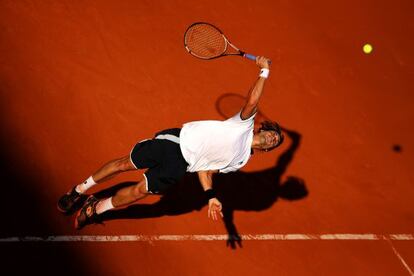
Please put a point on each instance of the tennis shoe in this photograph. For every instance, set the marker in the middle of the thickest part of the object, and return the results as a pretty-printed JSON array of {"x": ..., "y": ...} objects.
[
  {"x": 70, "y": 202},
  {"x": 87, "y": 215}
]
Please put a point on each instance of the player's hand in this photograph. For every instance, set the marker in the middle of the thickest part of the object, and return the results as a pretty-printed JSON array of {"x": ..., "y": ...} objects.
[
  {"x": 263, "y": 62},
  {"x": 214, "y": 208}
]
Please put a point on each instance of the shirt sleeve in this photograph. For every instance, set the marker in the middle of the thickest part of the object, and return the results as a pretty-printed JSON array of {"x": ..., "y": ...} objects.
[{"x": 237, "y": 118}]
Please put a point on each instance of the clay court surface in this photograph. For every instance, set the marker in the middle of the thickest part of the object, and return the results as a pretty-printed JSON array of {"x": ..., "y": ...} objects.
[{"x": 82, "y": 81}]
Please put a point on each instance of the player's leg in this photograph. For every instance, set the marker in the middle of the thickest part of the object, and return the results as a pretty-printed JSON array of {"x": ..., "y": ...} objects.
[
  {"x": 68, "y": 202},
  {"x": 166, "y": 166},
  {"x": 106, "y": 172},
  {"x": 123, "y": 197},
  {"x": 128, "y": 195}
]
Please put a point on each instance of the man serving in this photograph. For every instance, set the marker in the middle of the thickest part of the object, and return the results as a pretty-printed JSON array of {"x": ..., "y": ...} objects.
[{"x": 205, "y": 147}]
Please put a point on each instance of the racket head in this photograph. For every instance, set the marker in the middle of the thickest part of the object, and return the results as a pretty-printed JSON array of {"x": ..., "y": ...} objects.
[{"x": 206, "y": 41}]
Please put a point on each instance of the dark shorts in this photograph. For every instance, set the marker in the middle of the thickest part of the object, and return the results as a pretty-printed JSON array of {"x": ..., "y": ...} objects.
[{"x": 163, "y": 159}]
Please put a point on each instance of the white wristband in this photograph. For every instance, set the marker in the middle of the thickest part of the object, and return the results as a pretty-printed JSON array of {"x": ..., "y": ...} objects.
[{"x": 264, "y": 73}]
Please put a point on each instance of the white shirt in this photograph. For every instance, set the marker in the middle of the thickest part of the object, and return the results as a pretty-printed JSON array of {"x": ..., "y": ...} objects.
[{"x": 217, "y": 145}]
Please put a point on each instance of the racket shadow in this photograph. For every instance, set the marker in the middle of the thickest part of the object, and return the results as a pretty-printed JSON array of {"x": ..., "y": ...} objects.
[
  {"x": 229, "y": 104},
  {"x": 238, "y": 191}
]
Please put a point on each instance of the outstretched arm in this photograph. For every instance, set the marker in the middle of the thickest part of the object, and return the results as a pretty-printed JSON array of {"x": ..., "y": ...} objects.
[
  {"x": 255, "y": 93},
  {"x": 214, "y": 205}
]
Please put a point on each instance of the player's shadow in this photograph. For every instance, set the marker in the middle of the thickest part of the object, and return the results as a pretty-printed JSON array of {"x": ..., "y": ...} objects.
[{"x": 247, "y": 191}]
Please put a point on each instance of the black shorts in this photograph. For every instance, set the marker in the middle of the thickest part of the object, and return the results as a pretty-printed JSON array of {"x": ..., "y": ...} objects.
[{"x": 163, "y": 158}]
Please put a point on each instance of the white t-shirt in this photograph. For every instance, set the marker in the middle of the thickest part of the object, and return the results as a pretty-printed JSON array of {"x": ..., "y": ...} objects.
[{"x": 217, "y": 145}]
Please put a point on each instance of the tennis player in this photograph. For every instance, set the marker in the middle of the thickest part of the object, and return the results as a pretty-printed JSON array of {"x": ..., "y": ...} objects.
[{"x": 205, "y": 147}]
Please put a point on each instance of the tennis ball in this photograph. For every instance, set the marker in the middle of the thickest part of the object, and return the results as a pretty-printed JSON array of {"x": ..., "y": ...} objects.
[{"x": 367, "y": 48}]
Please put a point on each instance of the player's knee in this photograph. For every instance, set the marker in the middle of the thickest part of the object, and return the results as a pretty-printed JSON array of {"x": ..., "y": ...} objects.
[
  {"x": 140, "y": 189},
  {"x": 124, "y": 164}
]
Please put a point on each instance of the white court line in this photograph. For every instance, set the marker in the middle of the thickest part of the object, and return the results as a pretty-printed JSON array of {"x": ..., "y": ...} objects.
[
  {"x": 401, "y": 259},
  {"x": 248, "y": 237}
]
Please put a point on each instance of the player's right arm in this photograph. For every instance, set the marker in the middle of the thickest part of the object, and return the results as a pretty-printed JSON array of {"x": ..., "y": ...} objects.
[{"x": 255, "y": 93}]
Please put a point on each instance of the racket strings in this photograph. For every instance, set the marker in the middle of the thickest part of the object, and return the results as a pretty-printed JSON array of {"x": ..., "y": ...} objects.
[{"x": 205, "y": 41}]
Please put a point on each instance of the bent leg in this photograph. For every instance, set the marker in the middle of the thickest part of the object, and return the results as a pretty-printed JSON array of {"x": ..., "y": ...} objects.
[
  {"x": 67, "y": 202},
  {"x": 107, "y": 171},
  {"x": 112, "y": 168},
  {"x": 128, "y": 195}
]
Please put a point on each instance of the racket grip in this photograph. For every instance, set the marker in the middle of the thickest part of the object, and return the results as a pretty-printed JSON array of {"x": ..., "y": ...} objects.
[
  {"x": 252, "y": 57},
  {"x": 249, "y": 56}
]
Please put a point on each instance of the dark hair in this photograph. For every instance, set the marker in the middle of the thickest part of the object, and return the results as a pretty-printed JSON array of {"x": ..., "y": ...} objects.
[{"x": 272, "y": 126}]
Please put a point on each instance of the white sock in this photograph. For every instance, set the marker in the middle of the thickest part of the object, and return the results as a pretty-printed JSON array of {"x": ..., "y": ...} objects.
[
  {"x": 81, "y": 188},
  {"x": 104, "y": 205}
]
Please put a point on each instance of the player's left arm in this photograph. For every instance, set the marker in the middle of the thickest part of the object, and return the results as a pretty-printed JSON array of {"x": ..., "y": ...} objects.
[
  {"x": 255, "y": 93},
  {"x": 214, "y": 205}
]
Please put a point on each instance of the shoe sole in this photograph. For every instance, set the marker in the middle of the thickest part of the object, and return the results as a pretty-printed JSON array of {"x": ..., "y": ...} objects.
[
  {"x": 76, "y": 224},
  {"x": 66, "y": 212}
]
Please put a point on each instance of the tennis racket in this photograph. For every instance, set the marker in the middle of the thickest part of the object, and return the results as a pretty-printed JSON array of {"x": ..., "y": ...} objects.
[{"x": 206, "y": 41}]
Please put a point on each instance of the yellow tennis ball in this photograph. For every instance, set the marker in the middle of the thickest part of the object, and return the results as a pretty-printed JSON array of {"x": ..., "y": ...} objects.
[{"x": 367, "y": 48}]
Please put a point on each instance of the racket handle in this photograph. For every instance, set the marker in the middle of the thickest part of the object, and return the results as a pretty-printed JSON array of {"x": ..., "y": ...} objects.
[
  {"x": 249, "y": 56},
  {"x": 252, "y": 57}
]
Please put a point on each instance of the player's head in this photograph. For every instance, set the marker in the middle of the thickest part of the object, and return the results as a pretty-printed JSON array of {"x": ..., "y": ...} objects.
[{"x": 271, "y": 135}]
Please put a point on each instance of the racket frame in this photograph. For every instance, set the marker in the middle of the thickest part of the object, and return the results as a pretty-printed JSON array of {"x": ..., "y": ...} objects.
[{"x": 227, "y": 42}]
